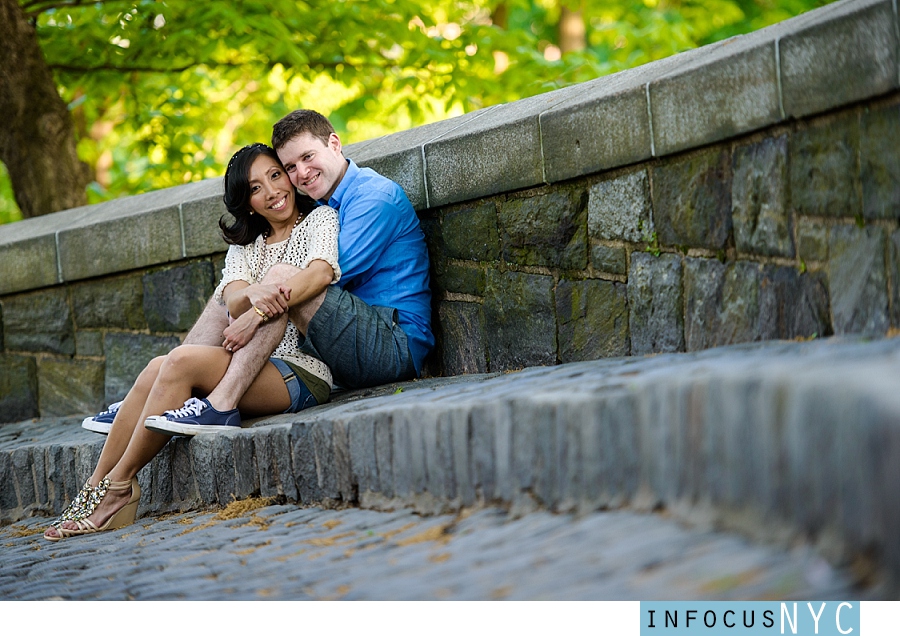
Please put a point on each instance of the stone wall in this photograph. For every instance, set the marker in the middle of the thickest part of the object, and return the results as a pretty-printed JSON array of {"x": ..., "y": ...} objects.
[{"x": 748, "y": 190}]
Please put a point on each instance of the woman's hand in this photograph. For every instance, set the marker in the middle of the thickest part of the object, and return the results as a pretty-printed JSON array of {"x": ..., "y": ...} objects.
[
  {"x": 241, "y": 331},
  {"x": 270, "y": 299}
]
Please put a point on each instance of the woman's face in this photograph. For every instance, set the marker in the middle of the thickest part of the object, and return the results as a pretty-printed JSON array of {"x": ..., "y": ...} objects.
[{"x": 271, "y": 192}]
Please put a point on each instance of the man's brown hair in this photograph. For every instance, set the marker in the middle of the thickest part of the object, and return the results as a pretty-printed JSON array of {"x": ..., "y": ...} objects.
[{"x": 298, "y": 122}]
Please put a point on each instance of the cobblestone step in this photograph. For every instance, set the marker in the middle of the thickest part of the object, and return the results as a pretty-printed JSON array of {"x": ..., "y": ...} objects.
[{"x": 781, "y": 441}]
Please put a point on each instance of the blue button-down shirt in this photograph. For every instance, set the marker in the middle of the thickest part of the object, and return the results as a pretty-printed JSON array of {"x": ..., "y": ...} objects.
[{"x": 382, "y": 252}]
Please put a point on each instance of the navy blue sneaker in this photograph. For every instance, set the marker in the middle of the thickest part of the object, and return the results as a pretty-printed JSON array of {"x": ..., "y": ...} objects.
[
  {"x": 102, "y": 421},
  {"x": 196, "y": 417}
]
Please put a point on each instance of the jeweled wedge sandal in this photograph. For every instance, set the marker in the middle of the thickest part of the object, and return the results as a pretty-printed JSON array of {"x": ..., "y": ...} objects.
[
  {"x": 122, "y": 517},
  {"x": 78, "y": 508}
]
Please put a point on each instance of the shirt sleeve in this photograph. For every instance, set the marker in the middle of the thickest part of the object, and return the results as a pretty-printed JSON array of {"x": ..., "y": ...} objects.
[
  {"x": 323, "y": 239},
  {"x": 368, "y": 229},
  {"x": 236, "y": 268}
]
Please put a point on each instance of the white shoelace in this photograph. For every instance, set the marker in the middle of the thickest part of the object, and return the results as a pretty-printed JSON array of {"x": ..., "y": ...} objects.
[
  {"x": 113, "y": 408},
  {"x": 192, "y": 407}
]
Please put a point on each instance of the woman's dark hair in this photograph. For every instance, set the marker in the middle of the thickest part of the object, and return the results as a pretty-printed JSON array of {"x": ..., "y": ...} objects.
[{"x": 246, "y": 226}]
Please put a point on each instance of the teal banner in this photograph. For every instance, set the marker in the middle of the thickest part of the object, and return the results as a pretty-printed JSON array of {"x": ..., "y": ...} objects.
[{"x": 750, "y": 618}]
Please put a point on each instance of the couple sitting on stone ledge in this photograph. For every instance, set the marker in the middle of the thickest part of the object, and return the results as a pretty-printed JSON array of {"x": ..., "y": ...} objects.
[{"x": 328, "y": 287}]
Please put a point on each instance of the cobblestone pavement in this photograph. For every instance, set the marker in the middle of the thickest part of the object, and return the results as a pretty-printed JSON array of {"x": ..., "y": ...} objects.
[{"x": 287, "y": 552}]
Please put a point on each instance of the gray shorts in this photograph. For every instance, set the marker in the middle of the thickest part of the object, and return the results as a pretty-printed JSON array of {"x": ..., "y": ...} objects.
[{"x": 362, "y": 344}]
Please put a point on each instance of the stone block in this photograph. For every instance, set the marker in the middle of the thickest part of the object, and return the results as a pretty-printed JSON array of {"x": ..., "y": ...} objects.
[
  {"x": 321, "y": 436},
  {"x": 824, "y": 175},
  {"x": 70, "y": 386},
  {"x": 692, "y": 199},
  {"x": 18, "y": 388},
  {"x": 415, "y": 418},
  {"x": 547, "y": 486},
  {"x": 28, "y": 263},
  {"x": 340, "y": 441},
  {"x": 273, "y": 459},
  {"x": 618, "y": 439},
  {"x": 612, "y": 260},
  {"x": 39, "y": 321},
  {"x": 519, "y": 320},
  {"x": 201, "y": 207},
  {"x": 457, "y": 421},
  {"x": 202, "y": 449},
  {"x": 114, "y": 302},
  {"x": 592, "y": 319},
  {"x": 444, "y": 456},
  {"x": 793, "y": 305},
  {"x": 437, "y": 470},
  {"x": 546, "y": 230},
  {"x": 894, "y": 265},
  {"x": 655, "y": 301},
  {"x": 812, "y": 240},
  {"x": 727, "y": 91},
  {"x": 879, "y": 154},
  {"x": 839, "y": 56},
  {"x": 721, "y": 303},
  {"x": 184, "y": 482},
  {"x": 112, "y": 245},
  {"x": 384, "y": 452},
  {"x": 619, "y": 208},
  {"x": 23, "y": 476},
  {"x": 89, "y": 343},
  {"x": 361, "y": 433},
  {"x": 606, "y": 124},
  {"x": 462, "y": 337},
  {"x": 9, "y": 499},
  {"x": 223, "y": 464},
  {"x": 460, "y": 279},
  {"x": 161, "y": 495},
  {"x": 760, "y": 212},
  {"x": 470, "y": 233},
  {"x": 400, "y": 156},
  {"x": 498, "y": 149},
  {"x": 857, "y": 280},
  {"x": 482, "y": 452},
  {"x": 246, "y": 471},
  {"x": 175, "y": 297},
  {"x": 126, "y": 356}
]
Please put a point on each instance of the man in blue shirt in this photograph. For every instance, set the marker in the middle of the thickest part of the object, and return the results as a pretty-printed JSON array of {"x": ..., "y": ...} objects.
[{"x": 372, "y": 327}]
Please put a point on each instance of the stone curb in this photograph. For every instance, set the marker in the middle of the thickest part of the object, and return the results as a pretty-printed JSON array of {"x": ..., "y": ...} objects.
[
  {"x": 778, "y": 440},
  {"x": 833, "y": 56}
]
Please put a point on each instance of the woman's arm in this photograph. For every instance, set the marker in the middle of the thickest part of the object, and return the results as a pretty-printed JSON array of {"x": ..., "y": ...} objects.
[
  {"x": 309, "y": 283},
  {"x": 241, "y": 296}
]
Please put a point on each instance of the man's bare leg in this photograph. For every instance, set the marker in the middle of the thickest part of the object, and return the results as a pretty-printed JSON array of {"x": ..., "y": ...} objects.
[
  {"x": 247, "y": 362},
  {"x": 209, "y": 326}
]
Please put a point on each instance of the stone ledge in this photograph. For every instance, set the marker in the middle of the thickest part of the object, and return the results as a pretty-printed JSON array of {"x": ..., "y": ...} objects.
[
  {"x": 834, "y": 56},
  {"x": 756, "y": 437}
]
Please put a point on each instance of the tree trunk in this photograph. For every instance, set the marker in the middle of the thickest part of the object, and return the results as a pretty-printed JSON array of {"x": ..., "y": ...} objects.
[
  {"x": 37, "y": 139},
  {"x": 572, "y": 33}
]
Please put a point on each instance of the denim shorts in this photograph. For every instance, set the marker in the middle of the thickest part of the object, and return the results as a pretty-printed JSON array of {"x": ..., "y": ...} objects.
[
  {"x": 362, "y": 344},
  {"x": 301, "y": 397}
]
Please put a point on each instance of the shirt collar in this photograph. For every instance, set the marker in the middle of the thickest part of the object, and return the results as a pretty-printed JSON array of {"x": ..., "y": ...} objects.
[{"x": 344, "y": 185}]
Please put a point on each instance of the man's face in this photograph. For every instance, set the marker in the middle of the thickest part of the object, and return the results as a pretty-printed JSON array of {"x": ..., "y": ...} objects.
[{"x": 314, "y": 168}]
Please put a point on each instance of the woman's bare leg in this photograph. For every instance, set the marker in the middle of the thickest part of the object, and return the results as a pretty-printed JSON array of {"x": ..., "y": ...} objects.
[{"x": 185, "y": 369}]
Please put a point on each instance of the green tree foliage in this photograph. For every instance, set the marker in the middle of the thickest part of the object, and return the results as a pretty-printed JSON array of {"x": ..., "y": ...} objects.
[{"x": 162, "y": 91}]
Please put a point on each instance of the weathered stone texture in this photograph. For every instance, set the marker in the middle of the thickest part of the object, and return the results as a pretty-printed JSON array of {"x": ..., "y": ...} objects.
[
  {"x": 655, "y": 302},
  {"x": 88, "y": 343},
  {"x": 812, "y": 240},
  {"x": 546, "y": 230},
  {"x": 619, "y": 208},
  {"x": 462, "y": 338},
  {"x": 519, "y": 320},
  {"x": 114, "y": 302},
  {"x": 879, "y": 153},
  {"x": 68, "y": 386},
  {"x": 762, "y": 223},
  {"x": 460, "y": 279},
  {"x": 894, "y": 272},
  {"x": 18, "y": 388},
  {"x": 175, "y": 297},
  {"x": 126, "y": 356},
  {"x": 824, "y": 173},
  {"x": 592, "y": 319},
  {"x": 857, "y": 280},
  {"x": 471, "y": 233},
  {"x": 39, "y": 321},
  {"x": 721, "y": 303},
  {"x": 793, "y": 305},
  {"x": 609, "y": 259},
  {"x": 692, "y": 199}
]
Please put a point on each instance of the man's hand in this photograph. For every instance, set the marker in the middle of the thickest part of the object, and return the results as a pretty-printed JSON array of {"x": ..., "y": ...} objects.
[
  {"x": 241, "y": 331},
  {"x": 270, "y": 299}
]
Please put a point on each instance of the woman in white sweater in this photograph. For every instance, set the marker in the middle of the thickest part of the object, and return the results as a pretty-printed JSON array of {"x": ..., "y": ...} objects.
[{"x": 277, "y": 239}]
